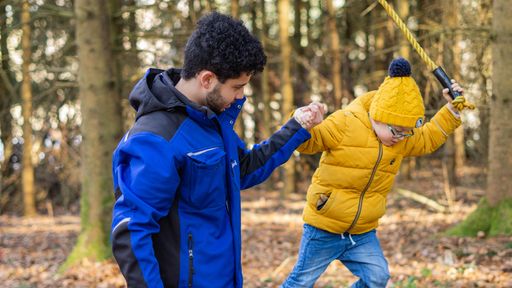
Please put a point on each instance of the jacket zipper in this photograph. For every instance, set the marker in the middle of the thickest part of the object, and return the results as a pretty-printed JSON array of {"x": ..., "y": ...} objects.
[
  {"x": 360, "y": 206},
  {"x": 190, "y": 260}
]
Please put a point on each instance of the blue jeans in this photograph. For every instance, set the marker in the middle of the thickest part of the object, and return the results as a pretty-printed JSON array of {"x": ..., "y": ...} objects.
[{"x": 361, "y": 254}]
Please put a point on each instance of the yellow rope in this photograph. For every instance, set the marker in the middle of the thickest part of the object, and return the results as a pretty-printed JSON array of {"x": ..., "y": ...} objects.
[
  {"x": 460, "y": 103},
  {"x": 408, "y": 35}
]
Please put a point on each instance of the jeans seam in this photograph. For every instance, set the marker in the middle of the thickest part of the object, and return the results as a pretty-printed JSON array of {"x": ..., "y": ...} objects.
[{"x": 313, "y": 233}]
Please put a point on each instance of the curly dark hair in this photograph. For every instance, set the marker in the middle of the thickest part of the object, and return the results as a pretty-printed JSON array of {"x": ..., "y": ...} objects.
[{"x": 224, "y": 46}]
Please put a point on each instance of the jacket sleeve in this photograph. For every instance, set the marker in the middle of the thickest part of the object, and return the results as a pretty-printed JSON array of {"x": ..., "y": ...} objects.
[
  {"x": 259, "y": 162},
  {"x": 326, "y": 135},
  {"x": 433, "y": 134},
  {"x": 145, "y": 179}
]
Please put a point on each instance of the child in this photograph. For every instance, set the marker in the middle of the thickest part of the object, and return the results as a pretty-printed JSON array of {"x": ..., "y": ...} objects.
[{"x": 363, "y": 146}]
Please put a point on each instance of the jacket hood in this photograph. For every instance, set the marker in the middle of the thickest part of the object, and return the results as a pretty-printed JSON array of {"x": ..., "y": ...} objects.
[
  {"x": 360, "y": 107},
  {"x": 156, "y": 91}
]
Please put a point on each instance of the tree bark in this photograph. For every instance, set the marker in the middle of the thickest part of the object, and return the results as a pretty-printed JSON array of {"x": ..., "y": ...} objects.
[
  {"x": 499, "y": 179},
  {"x": 100, "y": 128},
  {"x": 493, "y": 215},
  {"x": 286, "y": 87},
  {"x": 6, "y": 90},
  {"x": 335, "y": 54},
  {"x": 27, "y": 173},
  {"x": 235, "y": 8},
  {"x": 450, "y": 20},
  {"x": 409, "y": 164},
  {"x": 403, "y": 12},
  {"x": 240, "y": 123}
]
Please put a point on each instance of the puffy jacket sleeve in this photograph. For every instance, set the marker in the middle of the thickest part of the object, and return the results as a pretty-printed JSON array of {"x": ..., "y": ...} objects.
[
  {"x": 433, "y": 134},
  {"x": 145, "y": 179},
  {"x": 258, "y": 163},
  {"x": 326, "y": 135}
]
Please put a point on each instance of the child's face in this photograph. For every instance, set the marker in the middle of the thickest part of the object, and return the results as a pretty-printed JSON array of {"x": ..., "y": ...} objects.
[{"x": 390, "y": 135}]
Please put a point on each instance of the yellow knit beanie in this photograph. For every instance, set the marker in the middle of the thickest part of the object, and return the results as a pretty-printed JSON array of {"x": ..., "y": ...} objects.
[{"x": 398, "y": 100}]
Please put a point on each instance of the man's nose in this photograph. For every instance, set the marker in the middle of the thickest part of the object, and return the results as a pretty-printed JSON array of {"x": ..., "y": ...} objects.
[{"x": 239, "y": 95}]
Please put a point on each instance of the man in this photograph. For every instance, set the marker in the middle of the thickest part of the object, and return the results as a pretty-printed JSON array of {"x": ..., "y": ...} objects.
[{"x": 179, "y": 170}]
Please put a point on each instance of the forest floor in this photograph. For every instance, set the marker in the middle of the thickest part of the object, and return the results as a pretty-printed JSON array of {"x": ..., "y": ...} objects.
[{"x": 411, "y": 233}]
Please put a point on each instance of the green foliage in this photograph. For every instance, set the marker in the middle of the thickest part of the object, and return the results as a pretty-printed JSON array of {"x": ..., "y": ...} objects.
[
  {"x": 426, "y": 272},
  {"x": 410, "y": 282},
  {"x": 438, "y": 283},
  {"x": 492, "y": 221}
]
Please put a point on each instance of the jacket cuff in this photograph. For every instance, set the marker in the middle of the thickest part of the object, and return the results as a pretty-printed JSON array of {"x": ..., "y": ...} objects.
[
  {"x": 446, "y": 120},
  {"x": 295, "y": 126}
]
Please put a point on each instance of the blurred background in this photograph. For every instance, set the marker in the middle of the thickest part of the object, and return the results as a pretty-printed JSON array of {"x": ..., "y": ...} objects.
[
  {"x": 67, "y": 67},
  {"x": 334, "y": 51}
]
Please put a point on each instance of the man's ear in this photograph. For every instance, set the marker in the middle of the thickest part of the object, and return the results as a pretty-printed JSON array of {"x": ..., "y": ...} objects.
[{"x": 207, "y": 79}]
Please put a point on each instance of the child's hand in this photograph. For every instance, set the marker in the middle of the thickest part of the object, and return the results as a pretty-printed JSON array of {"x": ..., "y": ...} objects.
[
  {"x": 311, "y": 115},
  {"x": 458, "y": 104},
  {"x": 318, "y": 111},
  {"x": 455, "y": 87}
]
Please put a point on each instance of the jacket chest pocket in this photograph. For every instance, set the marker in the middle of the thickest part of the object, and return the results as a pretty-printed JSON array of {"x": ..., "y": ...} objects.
[
  {"x": 391, "y": 162},
  {"x": 205, "y": 178}
]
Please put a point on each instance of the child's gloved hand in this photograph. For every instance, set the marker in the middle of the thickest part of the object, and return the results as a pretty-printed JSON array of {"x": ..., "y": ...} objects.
[
  {"x": 311, "y": 115},
  {"x": 458, "y": 104}
]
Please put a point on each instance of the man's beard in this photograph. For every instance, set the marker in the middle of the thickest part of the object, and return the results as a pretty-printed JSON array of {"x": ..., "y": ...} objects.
[{"x": 214, "y": 100}]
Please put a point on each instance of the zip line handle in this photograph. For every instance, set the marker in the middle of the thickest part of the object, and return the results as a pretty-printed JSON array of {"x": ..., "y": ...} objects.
[{"x": 445, "y": 81}]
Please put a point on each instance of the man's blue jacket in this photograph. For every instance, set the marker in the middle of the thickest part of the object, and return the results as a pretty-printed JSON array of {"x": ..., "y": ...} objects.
[{"x": 177, "y": 178}]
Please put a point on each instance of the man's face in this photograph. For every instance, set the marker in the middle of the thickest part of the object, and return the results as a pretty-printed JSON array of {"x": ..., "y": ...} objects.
[{"x": 224, "y": 94}]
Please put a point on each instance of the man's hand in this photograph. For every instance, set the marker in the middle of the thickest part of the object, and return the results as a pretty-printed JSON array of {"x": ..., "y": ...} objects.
[{"x": 311, "y": 115}]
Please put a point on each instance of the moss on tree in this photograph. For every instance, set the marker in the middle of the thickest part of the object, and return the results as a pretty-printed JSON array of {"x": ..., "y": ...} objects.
[{"x": 492, "y": 221}]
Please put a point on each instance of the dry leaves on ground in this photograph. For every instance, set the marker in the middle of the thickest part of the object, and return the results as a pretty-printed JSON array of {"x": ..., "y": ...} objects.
[{"x": 31, "y": 251}]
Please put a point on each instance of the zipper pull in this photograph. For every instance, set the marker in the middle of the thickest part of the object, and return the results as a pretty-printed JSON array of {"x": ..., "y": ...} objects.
[{"x": 190, "y": 251}]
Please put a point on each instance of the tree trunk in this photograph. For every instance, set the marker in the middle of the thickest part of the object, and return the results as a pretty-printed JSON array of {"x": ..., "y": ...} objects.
[
  {"x": 450, "y": 20},
  {"x": 494, "y": 212},
  {"x": 301, "y": 86},
  {"x": 27, "y": 173},
  {"x": 239, "y": 124},
  {"x": 192, "y": 12},
  {"x": 335, "y": 54},
  {"x": 100, "y": 128},
  {"x": 286, "y": 87},
  {"x": 267, "y": 120},
  {"x": 125, "y": 60},
  {"x": 235, "y": 8},
  {"x": 460, "y": 151},
  {"x": 7, "y": 92},
  {"x": 500, "y": 154},
  {"x": 405, "y": 51},
  {"x": 403, "y": 12}
]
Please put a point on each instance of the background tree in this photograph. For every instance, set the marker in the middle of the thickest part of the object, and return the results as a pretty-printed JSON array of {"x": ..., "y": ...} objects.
[
  {"x": 450, "y": 55},
  {"x": 101, "y": 128},
  {"x": 334, "y": 43},
  {"x": 8, "y": 93},
  {"x": 286, "y": 86},
  {"x": 494, "y": 213},
  {"x": 27, "y": 174}
]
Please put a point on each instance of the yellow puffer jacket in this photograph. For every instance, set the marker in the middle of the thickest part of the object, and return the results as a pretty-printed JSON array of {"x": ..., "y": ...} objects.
[{"x": 356, "y": 171}]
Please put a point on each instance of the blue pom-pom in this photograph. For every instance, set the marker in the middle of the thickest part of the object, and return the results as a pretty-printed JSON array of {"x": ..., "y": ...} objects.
[{"x": 399, "y": 68}]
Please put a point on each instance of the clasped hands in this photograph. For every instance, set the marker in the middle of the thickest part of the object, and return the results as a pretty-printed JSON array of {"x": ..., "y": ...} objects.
[{"x": 311, "y": 115}]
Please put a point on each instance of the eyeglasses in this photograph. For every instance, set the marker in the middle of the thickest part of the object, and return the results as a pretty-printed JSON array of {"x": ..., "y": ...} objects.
[{"x": 397, "y": 134}]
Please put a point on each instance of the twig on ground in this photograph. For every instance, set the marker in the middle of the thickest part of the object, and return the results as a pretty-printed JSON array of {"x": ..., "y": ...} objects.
[{"x": 421, "y": 199}]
